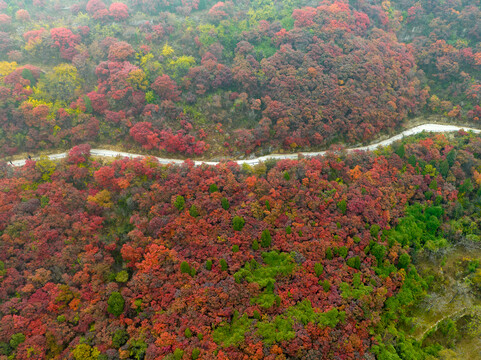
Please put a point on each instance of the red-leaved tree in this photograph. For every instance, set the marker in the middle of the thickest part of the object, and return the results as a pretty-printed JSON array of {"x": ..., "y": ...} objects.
[
  {"x": 166, "y": 88},
  {"x": 119, "y": 11}
]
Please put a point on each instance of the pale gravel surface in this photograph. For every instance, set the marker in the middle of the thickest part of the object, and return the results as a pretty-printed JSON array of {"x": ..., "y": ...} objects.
[{"x": 416, "y": 130}]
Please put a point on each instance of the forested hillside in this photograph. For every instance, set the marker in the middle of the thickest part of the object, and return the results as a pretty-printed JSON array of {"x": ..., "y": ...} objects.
[
  {"x": 199, "y": 78},
  {"x": 306, "y": 259},
  {"x": 350, "y": 255}
]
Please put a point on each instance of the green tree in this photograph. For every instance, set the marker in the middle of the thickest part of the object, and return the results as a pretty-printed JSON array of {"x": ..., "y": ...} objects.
[
  {"x": 28, "y": 75},
  {"x": 432, "y": 224},
  {"x": 115, "y": 304},
  {"x": 401, "y": 151},
  {"x": 225, "y": 203},
  {"x": 179, "y": 202},
  {"x": 16, "y": 340},
  {"x": 119, "y": 338},
  {"x": 193, "y": 211},
  {"x": 266, "y": 238},
  {"x": 342, "y": 251},
  {"x": 326, "y": 285},
  {"x": 404, "y": 261},
  {"x": 374, "y": 230},
  {"x": 185, "y": 268},
  {"x": 318, "y": 269},
  {"x": 195, "y": 353},
  {"x": 238, "y": 223},
  {"x": 451, "y": 157},
  {"x": 223, "y": 265},
  {"x": 137, "y": 349},
  {"x": 208, "y": 265},
  {"x": 329, "y": 254},
  {"x": 379, "y": 251},
  {"x": 178, "y": 354},
  {"x": 181, "y": 65},
  {"x": 412, "y": 160},
  {"x": 88, "y": 105},
  {"x": 466, "y": 186},
  {"x": 354, "y": 262},
  {"x": 444, "y": 168},
  {"x": 233, "y": 333}
]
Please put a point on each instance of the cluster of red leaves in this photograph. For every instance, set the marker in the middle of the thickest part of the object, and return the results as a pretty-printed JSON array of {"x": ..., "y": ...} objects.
[
  {"x": 66, "y": 41},
  {"x": 98, "y": 10},
  {"x": 180, "y": 142}
]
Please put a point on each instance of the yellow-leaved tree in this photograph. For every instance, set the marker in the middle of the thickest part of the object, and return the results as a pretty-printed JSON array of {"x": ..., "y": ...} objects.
[
  {"x": 61, "y": 85},
  {"x": 6, "y": 68},
  {"x": 138, "y": 80}
]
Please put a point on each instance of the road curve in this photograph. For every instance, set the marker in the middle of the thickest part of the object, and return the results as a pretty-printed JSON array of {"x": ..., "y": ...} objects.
[{"x": 415, "y": 130}]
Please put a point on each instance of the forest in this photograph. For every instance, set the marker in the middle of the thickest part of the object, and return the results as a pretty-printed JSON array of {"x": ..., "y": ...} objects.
[
  {"x": 349, "y": 255},
  {"x": 316, "y": 258},
  {"x": 198, "y": 78}
]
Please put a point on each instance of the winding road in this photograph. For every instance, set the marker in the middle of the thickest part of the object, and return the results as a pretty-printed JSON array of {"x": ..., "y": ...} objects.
[{"x": 415, "y": 130}]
